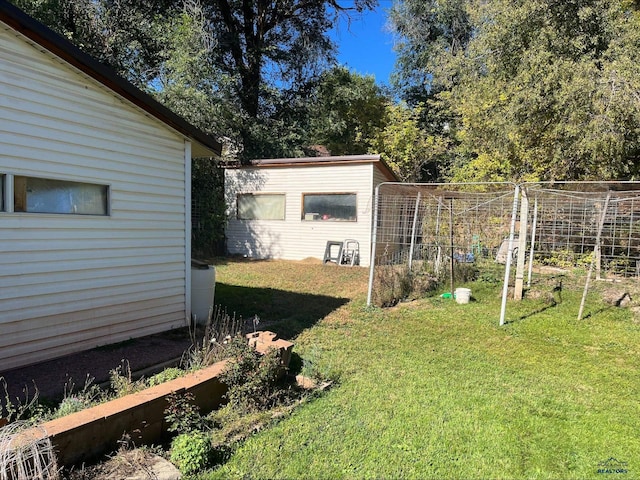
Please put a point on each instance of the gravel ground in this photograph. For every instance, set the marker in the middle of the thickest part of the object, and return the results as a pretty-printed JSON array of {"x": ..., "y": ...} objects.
[{"x": 50, "y": 377}]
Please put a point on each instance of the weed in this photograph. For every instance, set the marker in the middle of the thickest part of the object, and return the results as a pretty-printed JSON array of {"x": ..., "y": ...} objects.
[
  {"x": 217, "y": 335},
  {"x": 14, "y": 410},
  {"x": 191, "y": 452},
  {"x": 252, "y": 378},
  {"x": 566, "y": 259},
  {"x": 121, "y": 380},
  {"x": 312, "y": 367},
  {"x": 164, "y": 376},
  {"x": 90, "y": 395}
]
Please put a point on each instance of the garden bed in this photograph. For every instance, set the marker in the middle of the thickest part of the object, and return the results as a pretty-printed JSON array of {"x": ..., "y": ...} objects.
[{"x": 86, "y": 434}]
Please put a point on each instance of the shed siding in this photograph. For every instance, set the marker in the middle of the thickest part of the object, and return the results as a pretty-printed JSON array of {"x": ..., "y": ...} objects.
[
  {"x": 378, "y": 178},
  {"x": 294, "y": 238},
  {"x": 69, "y": 282}
]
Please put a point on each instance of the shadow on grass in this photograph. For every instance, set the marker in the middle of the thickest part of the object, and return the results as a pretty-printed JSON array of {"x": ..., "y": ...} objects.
[
  {"x": 535, "y": 312},
  {"x": 283, "y": 312},
  {"x": 594, "y": 313}
]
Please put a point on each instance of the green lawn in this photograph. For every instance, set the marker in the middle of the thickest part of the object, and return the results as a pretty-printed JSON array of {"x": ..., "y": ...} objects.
[{"x": 432, "y": 389}]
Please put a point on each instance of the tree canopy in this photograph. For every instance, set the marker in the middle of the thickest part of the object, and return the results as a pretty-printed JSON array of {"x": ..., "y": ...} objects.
[
  {"x": 538, "y": 89},
  {"x": 347, "y": 110}
]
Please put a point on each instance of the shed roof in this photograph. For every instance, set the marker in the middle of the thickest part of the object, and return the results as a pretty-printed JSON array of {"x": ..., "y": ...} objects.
[
  {"x": 204, "y": 145},
  {"x": 320, "y": 162}
]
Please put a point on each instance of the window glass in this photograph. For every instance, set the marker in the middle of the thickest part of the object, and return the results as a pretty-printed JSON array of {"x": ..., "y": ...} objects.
[
  {"x": 329, "y": 207},
  {"x": 261, "y": 206},
  {"x": 41, "y": 195},
  {"x": 2, "y": 180}
]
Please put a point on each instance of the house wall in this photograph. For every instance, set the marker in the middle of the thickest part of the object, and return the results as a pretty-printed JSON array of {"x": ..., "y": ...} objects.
[
  {"x": 294, "y": 238},
  {"x": 72, "y": 282}
]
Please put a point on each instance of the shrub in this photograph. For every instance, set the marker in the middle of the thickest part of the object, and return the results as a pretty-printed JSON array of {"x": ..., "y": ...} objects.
[
  {"x": 181, "y": 415},
  {"x": 191, "y": 452}
]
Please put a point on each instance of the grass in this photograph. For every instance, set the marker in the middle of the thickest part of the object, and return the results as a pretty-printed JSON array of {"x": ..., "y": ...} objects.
[{"x": 432, "y": 389}]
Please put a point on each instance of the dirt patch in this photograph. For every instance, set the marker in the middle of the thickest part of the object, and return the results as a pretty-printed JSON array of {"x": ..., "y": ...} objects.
[{"x": 51, "y": 377}]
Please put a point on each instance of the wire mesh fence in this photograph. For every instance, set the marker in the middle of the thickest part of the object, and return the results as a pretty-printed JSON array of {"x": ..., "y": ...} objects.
[
  {"x": 567, "y": 218},
  {"x": 26, "y": 456},
  {"x": 427, "y": 234}
]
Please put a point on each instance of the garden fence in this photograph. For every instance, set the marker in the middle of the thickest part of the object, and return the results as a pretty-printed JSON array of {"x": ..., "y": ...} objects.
[{"x": 425, "y": 234}]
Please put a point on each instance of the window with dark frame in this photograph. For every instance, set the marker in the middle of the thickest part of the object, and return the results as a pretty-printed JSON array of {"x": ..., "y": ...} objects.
[
  {"x": 43, "y": 195},
  {"x": 260, "y": 206},
  {"x": 337, "y": 207}
]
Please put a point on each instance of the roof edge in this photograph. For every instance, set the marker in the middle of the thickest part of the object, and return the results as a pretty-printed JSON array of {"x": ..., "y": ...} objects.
[
  {"x": 375, "y": 159},
  {"x": 67, "y": 51}
]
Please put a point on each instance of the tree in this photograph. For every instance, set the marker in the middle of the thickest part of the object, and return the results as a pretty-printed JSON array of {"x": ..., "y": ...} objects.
[
  {"x": 541, "y": 90},
  {"x": 270, "y": 49},
  {"x": 412, "y": 153},
  {"x": 432, "y": 34},
  {"x": 347, "y": 111},
  {"x": 124, "y": 34}
]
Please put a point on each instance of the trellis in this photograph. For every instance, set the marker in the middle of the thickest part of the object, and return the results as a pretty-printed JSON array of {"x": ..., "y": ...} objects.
[{"x": 428, "y": 228}]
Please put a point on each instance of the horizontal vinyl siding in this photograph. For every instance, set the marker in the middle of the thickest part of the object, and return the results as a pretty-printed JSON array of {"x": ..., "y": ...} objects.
[
  {"x": 378, "y": 178},
  {"x": 294, "y": 238},
  {"x": 70, "y": 282}
]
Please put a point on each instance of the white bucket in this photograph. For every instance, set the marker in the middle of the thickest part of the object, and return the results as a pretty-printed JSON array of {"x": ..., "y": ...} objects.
[{"x": 462, "y": 295}]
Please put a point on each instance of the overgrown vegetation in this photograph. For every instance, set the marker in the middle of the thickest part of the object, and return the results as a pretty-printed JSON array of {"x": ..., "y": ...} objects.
[
  {"x": 431, "y": 387},
  {"x": 258, "y": 391},
  {"x": 212, "y": 344},
  {"x": 395, "y": 283}
]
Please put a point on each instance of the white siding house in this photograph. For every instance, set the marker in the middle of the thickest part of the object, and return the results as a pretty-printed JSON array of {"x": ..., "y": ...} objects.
[
  {"x": 290, "y": 208},
  {"x": 95, "y": 211}
]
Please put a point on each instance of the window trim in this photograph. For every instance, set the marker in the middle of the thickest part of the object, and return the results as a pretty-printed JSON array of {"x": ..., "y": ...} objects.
[
  {"x": 15, "y": 178},
  {"x": 258, "y": 194},
  {"x": 303, "y": 214}
]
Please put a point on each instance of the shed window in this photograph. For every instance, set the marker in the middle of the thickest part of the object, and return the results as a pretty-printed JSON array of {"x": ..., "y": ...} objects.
[
  {"x": 2, "y": 180},
  {"x": 42, "y": 195},
  {"x": 261, "y": 206},
  {"x": 329, "y": 207}
]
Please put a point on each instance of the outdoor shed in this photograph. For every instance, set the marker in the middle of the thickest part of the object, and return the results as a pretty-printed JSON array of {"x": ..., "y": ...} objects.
[
  {"x": 95, "y": 198},
  {"x": 291, "y": 208}
]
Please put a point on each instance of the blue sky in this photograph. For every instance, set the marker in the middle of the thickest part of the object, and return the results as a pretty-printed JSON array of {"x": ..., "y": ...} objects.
[{"x": 366, "y": 46}]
